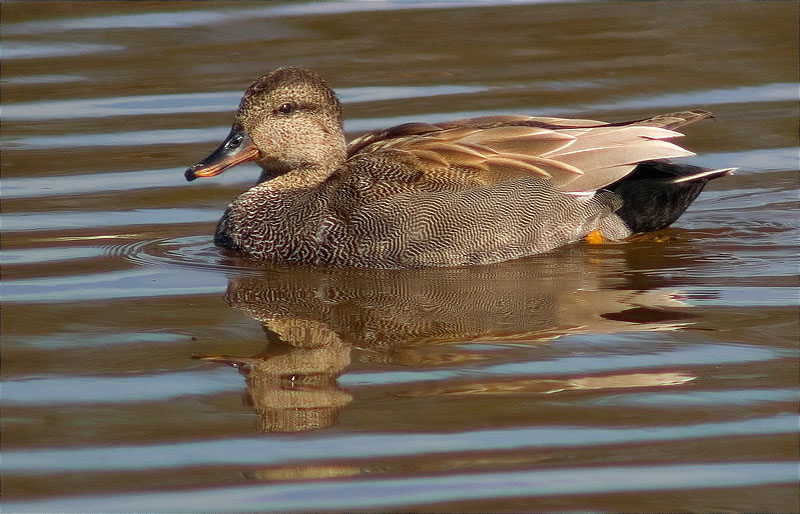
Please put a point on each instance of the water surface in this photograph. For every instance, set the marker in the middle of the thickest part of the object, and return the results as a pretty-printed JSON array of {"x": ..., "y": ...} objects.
[{"x": 145, "y": 370}]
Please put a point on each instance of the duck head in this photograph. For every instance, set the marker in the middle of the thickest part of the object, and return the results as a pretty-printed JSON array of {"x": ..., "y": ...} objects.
[{"x": 289, "y": 121}]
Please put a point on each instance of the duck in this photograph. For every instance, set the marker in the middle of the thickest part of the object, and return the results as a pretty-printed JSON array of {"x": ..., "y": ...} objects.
[{"x": 456, "y": 193}]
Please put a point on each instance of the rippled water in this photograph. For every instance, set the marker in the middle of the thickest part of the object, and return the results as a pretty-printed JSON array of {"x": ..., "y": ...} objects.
[{"x": 145, "y": 370}]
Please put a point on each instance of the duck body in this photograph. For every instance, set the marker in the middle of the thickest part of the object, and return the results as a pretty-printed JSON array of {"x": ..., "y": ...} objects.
[
  {"x": 464, "y": 192},
  {"x": 361, "y": 219}
]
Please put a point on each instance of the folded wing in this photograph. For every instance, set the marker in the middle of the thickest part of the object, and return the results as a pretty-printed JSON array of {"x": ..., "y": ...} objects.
[{"x": 575, "y": 155}]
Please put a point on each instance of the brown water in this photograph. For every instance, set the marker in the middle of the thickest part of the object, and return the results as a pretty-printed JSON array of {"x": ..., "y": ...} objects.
[{"x": 654, "y": 375}]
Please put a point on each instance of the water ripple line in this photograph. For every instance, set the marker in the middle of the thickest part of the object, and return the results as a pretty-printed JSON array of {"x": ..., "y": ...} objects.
[
  {"x": 294, "y": 448},
  {"x": 375, "y": 493}
]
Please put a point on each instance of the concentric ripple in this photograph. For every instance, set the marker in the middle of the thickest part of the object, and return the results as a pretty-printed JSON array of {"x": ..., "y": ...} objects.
[{"x": 189, "y": 251}]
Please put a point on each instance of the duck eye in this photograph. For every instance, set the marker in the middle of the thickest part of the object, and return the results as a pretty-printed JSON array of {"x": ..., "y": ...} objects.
[
  {"x": 234, "y": 142},
  {"x": 286, "y": 108}
]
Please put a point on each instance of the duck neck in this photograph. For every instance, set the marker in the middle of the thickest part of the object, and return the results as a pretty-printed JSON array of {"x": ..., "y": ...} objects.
[
  {"x": 299, "y": 176},
  {"x": 315, "y": 158}
]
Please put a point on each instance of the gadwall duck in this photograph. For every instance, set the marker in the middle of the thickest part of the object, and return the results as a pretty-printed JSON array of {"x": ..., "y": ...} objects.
[{"x": 470, "y": 191}]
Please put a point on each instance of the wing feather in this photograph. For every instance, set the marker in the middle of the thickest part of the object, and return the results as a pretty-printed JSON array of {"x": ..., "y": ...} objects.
[{"x": 575, "y": 155}]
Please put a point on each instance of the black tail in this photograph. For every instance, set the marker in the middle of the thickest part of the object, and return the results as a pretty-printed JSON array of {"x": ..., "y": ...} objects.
[{"x": 657, "y": 193}]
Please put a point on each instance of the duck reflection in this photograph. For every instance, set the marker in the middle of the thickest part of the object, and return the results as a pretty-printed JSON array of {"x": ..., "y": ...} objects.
[
  {"x": 291, "y": 384},
  {"x": 314, "y": 318}
]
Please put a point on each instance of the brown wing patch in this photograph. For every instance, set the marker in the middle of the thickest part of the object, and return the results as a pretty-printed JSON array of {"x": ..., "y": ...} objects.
[
  {"x": 520, "y": 139},
  {"x": 576, "y": 155},
  {"x": 395, "y": 132},
  {"x": 451, "y": 154},
  {"x": 430, "y": 158},
  {"x": 553, "y": 167},
  {"x": 485, "y": 121},
  {"x": 507, "y": 165}
]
